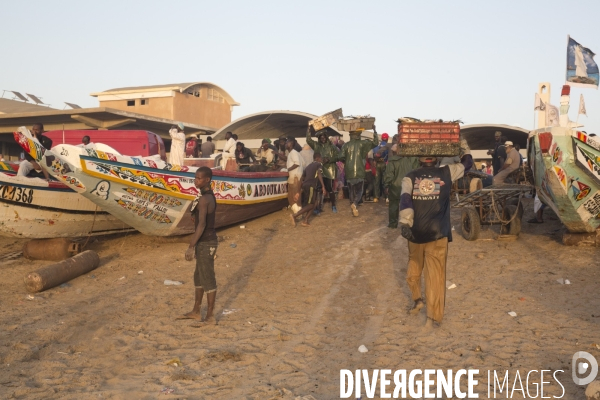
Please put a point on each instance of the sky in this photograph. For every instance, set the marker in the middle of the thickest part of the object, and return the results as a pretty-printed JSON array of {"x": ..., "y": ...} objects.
[{"x": 478, "y": 61}]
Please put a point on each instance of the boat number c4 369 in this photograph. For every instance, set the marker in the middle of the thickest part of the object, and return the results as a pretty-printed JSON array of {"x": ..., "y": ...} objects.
[{"x": 16, "y": 194}]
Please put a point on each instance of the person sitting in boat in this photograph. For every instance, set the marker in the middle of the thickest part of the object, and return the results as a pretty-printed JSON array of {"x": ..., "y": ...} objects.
[
  {"x": 229, "y": 148},
  {"x": 191, "y": 147},
  {"x": 265, "y": 155},
  {"x": 86, "y": 144},
  {"x": 29, "y": 167},
  {"x": 243, "y": 156},
  {"x": 513, "y": 158}
]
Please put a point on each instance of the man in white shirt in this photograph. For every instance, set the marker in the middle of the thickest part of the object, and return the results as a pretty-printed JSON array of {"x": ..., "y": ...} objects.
[
  {"x": 177, "y": 145},
  {"x": 295, "y": 167},
  {"x": 228, "y": 149},
  {"x": 511, "y": 163}
]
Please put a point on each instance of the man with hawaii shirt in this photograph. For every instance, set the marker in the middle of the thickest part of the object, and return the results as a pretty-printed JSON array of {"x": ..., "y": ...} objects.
[{"x": 425, "y": 223}]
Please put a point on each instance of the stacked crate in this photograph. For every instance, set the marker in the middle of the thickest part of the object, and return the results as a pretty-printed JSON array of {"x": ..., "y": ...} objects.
[{"x": 429, "y": 139}]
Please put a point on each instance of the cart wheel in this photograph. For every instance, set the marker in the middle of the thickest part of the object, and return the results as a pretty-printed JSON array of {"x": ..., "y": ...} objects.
[
  {"x": 470, "y": 223},
  {"x": 475, "y": 185},
  {"x": 514, "y": 227},
  {"x": 515, "y": 202}
]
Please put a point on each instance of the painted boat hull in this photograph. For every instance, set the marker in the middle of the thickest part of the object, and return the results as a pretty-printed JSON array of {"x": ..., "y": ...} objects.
[
  {"x": 36, "y": 209},
  {"x": 566, "y": 169},
  {"x": 155, "y": 197}
]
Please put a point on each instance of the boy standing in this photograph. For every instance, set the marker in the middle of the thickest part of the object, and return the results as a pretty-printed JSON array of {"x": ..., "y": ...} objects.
[{"x": 203, "y": 246}]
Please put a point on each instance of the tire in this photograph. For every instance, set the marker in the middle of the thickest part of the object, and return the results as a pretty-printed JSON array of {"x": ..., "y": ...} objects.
[
  {"x": 514, "y": 227},
  {"x": 475, "y": 185},
  {"x": 471, "y": 225}
]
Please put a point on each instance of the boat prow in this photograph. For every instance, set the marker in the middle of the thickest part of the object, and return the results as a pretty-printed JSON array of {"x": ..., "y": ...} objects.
[{"x": 566, "y": 169}]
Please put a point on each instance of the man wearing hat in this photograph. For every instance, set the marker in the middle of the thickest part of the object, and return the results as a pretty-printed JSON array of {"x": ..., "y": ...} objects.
[
  {"x": 191, "y": 147},
  {"x": 329, "y": 154},
  {"x": 177, "y": 144},
  {"x": 425, "y": 223},
  {"x": 513, "y": 159},
  {"x": 354, "y": 155},
  {"x": 265, "y": 154}
]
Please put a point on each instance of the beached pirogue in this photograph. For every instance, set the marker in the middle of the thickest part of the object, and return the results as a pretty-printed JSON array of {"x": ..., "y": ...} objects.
[
  {"x": 152, "y": 196},
  {"x": 566, "y": 167},
  {"x": 37, "y": 209}
]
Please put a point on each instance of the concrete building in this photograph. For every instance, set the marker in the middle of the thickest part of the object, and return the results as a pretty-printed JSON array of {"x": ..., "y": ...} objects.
[{"x": 199, "y": 103}]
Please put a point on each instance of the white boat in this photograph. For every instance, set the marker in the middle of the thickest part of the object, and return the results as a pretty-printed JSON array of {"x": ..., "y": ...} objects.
[
  {"x": 152, "y": 196},
  {"x": 37, "y": 209}
]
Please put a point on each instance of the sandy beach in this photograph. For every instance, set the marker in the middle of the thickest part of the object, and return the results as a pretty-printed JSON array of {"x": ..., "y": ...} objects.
[{"x": 293, "y": 307}]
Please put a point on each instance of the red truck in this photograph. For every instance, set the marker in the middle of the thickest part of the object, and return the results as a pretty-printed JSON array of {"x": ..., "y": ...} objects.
[{"x": 126, "y": 142}]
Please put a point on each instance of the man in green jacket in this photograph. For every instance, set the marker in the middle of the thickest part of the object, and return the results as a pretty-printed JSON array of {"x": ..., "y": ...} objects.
[
  {"x": 354, "y": 155},
  {"x": 397, "y": 167},
  {"x": 329, "y": 153}
]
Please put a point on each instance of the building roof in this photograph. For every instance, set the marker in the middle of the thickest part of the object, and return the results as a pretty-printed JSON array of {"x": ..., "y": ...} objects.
[
  {"x": 180, "y": 87},
  {"x": 8, "y": 106},
  {"x": 95, "y": 118},
  {"x": 269, "y": 124}
]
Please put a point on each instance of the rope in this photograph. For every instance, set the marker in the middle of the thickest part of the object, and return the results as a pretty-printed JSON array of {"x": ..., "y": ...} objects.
[
  {"x": 504, "y": 222},
  {"x": 91, "y": 229},
  {"x": 254, "y": 126}
]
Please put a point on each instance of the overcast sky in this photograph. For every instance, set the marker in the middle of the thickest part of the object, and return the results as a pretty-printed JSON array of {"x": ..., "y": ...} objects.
[{"x": 480, "y": 61}]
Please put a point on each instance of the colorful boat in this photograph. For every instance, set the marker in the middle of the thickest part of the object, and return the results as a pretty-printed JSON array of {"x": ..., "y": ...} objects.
[
  {"x": 566, "y": 170},
  {"x": 152, "y": 196},
  {"x": 566, "y": 167},
  {"x": 37, "y": 209}
]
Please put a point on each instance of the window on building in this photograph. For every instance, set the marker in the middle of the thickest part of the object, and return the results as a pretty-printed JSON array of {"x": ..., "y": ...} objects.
[
  {"x": 214, "y": 95},
  {"x": 130, "y": 103},
  {"x": 143, "y": 102}
]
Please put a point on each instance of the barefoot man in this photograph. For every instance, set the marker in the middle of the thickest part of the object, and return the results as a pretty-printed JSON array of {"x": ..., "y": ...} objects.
[{"x": 203, "y": 246}]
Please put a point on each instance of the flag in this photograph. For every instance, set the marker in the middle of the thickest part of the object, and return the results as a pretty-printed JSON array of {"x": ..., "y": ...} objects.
[
  {"x": 538, "y": 104},
  {"x": 582, "y": 70},
  {"x": 552, "y": 115},
  {"x": 582, "y": 106}
]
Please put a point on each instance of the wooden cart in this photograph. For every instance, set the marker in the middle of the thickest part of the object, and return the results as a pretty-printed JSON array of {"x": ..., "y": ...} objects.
[{"x": 494, "y": 205}]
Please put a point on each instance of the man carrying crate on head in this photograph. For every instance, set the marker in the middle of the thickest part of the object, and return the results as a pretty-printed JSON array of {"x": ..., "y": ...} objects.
[
  {"x": 354, "y": 155},
  {"x": 425, "y": 223}
]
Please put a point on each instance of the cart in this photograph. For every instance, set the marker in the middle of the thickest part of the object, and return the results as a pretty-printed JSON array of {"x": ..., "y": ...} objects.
[{"x": 494, "y": 205}]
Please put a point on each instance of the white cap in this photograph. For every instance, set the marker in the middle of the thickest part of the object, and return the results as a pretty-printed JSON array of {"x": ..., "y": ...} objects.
[{"x": 509, "y": 143}]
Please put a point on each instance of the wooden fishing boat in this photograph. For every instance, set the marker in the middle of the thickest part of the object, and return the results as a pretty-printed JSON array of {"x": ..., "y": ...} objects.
[
  {"x": 566, "y": 169},
  {"x": 38, "y": 209},
  {"x": 152, "y": 196}
]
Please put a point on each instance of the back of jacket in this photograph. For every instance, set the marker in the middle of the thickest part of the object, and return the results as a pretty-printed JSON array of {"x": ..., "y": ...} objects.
[
  {"x": 354, "y": 154},
  {"x": 397, "y": 168}
]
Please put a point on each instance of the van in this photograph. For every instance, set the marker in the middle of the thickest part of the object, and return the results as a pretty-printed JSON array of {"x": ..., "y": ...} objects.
[{"x": 126, "y": 142}]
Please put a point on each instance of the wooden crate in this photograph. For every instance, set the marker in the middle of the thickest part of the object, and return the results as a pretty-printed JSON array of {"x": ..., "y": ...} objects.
[
  {"x": 326, "y": 120},
  {"x": 353, "y": 124},
  {"x": 429, "y": 132},
  {"x": 429, "y": 149}
]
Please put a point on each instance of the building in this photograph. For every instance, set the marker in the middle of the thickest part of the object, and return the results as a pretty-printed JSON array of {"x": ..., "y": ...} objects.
[
  {"x": 202, "y": 107},
  {"x": 199, "y": 103}
]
